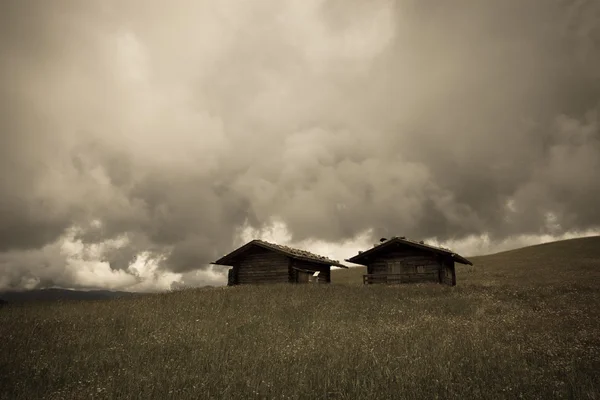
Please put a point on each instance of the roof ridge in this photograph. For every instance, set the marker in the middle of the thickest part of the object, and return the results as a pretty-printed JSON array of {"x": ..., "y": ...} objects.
[
  {"x": 296, "y": 251},
  {"x": 421, "y": 242},
  {"x": 408, "y": 241}
]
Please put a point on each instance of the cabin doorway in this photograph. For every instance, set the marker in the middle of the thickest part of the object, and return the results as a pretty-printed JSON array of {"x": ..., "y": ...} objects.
[
  {"x": 302, "y": 277},
  {"x": 395, "y": 269}
]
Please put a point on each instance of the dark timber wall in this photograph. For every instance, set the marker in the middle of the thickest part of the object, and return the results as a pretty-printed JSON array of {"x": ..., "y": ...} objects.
[
  {"x": 261, "y": 266},
  {"x": 413, "y": 265},
  {"x": 448, "y": 272},
  {"x": 324, "y": 276}
]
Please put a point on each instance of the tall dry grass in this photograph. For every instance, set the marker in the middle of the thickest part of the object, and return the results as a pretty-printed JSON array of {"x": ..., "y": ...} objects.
[{"x": 303, "y": 342}]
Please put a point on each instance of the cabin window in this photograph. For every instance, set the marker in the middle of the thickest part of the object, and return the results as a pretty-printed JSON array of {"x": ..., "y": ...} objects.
[{"x": 420, "y": 269}]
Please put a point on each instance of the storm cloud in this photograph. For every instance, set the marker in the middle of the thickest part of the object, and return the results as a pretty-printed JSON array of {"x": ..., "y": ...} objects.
[{"x": 154, "y": 133}]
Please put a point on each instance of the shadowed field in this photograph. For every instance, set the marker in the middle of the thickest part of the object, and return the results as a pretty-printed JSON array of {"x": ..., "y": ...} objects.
[{"x": 520, "y": 324}]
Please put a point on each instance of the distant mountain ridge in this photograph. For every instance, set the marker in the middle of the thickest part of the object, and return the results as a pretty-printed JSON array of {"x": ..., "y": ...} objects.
[{"x": 61, "y": 294}]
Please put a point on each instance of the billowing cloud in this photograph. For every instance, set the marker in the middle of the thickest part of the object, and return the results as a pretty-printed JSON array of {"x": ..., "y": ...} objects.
[{"x": 166, "y": 130}]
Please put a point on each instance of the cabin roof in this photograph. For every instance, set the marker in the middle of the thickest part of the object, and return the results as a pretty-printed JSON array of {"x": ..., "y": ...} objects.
[
  {"x": 291, "y": 252},
  {"x": 360, "y": 257}
]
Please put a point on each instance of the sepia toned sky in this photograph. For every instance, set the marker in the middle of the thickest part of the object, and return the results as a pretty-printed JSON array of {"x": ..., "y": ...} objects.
[{"x": 141, "y": 140}]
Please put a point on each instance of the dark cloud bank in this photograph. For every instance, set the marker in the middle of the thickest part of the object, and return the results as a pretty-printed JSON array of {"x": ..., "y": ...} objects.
[{"x": 170, "y": 127}]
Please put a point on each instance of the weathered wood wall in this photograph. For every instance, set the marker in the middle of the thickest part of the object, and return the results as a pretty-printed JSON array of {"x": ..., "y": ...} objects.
[
  {"x": 230, "y": 277},
  {"x": 261, "y": 266},
  {"x": 406, "y": 261},
  {"x": 324, "y": 276},
  {"x": 448, "y": 272}
]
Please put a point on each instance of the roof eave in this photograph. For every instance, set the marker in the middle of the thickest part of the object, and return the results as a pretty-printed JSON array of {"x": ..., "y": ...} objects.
[
  {"x": 331, "y": 263},
  {"x": 298, "y": 257},
  {"x": 226, "y": 258},
  {"x": 359, "y": 259},
  {"x": 220, "y": 264},
  {"x": 223, "y": 261},
  {"x": 339, "y": 265},
  {"x": 461, "y": 260},
  {"x": 366, "y": 253},
  {"x": 354, "y": 260}
]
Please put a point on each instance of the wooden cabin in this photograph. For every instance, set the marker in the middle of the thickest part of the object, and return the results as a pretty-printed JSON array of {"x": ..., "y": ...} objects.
[
  {"x": 401, "y": 260},
  {"x": 263, "y": 262}
]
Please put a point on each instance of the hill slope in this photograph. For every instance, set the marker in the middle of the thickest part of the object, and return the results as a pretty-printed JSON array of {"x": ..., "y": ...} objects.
[
  {"x": 510, "y": 329},
  {"x": 60, "y": 294},
  {"x": 568, "y": 261},
  {"x": 565, "y": 261}
]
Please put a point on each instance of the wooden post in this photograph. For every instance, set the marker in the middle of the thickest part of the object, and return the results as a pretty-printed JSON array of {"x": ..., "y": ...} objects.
[
  {"x": 230, "y": 277},
  {"x": 453, "y": 274},
  {"x": 291, "y": 271}
]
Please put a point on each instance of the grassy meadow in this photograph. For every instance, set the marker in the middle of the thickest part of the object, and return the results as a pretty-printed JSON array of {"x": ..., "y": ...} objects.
[{"x": 520, "y": 324}]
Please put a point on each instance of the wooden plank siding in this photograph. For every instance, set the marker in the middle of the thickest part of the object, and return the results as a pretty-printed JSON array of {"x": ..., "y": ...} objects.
[
  {"x": 448, "y": 273},
  {"x": 401, "y": 260},
  {"x": 324, "y": 276},
  {"x": 410, "y": 266},
  {"x": 262, "y": 266}
]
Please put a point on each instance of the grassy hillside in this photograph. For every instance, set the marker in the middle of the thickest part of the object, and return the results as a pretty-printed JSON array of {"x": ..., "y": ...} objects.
[
  {"x": 61, "y": 294},
  {"x": 520, "y": 324}
]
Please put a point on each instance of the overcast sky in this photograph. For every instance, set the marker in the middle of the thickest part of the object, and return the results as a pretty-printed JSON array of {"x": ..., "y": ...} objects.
[{"x": 140, "y": 140}]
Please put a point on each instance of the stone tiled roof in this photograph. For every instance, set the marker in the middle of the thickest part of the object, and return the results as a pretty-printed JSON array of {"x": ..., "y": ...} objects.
[
  {"x": 298, "y": 253},
  {"x": 288, "y": 251},
  {"x": 422, "y": 243},
  {"x": 413, "y": 243}
]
